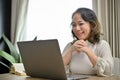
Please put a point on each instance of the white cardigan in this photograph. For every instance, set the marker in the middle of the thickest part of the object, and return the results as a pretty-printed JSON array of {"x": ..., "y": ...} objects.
[{"x": 81, "y": 64}]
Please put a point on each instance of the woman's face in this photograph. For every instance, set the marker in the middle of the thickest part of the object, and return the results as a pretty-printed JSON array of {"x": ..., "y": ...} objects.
[{"x": 81, "y": 28}]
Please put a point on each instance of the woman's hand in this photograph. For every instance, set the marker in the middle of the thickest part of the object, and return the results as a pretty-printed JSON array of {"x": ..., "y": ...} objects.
[{"x": 80, "y": 45}]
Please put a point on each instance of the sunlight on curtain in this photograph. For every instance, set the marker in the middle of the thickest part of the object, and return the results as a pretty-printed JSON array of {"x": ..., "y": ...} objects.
[
  {"x": 108, "y": 13},
  {"x": 18, "y": 18},
  {"x": 49, "y": 19}
]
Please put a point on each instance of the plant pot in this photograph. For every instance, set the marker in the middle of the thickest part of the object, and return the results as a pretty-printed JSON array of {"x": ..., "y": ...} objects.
[{"x": 18, "y": 69}]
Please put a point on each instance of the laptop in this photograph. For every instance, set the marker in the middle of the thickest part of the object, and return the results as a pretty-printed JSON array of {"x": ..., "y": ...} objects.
[{"x": 42, "y": 58}]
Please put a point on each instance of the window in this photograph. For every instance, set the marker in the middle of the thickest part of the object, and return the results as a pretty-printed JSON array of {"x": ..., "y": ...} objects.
[{"x": 49, "y": 19}]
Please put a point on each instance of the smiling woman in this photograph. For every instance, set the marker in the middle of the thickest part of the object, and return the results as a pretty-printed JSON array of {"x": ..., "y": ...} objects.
[
  {"x": 51, "y": 19},
  {"x": 87, "y": 53}
]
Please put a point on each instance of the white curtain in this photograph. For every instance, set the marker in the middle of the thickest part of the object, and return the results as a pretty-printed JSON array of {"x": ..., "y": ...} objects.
[
  {"x": 18, "y": 18},
  {"x": 108, "y": 14}
]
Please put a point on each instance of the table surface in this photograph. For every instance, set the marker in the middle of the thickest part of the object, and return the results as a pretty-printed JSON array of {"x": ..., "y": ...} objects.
[{"x": 8, "y": 76}]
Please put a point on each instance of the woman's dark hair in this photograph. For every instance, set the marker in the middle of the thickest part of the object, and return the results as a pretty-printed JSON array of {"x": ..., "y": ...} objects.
[{"x": 88, "y": 15}]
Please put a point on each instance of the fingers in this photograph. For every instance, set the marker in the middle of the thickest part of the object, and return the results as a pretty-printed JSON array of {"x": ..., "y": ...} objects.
[{"x": 79, "y": 44}]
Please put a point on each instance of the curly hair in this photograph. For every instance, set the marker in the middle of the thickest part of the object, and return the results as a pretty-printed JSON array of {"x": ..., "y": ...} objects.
[{"x": 88, "y": 15}]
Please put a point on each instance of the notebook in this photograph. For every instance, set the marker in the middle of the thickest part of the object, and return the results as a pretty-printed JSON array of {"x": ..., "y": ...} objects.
[{"x": 42, "y": 58}]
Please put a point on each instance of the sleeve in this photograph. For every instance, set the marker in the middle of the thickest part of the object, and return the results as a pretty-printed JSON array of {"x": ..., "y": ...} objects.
[
  {"x": 104, "y": 64},
  {"x": 64, "y": 52},
  {"x": 66, "y": 48}
]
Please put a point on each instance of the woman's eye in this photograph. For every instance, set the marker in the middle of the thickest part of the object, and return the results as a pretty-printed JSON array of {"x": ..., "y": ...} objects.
[
  {"x": 73, "y": 25},
  {"x": 81, "y": 24}
]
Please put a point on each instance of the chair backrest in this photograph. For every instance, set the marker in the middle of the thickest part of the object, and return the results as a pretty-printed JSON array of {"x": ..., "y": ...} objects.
[{"x": 116, "y": 69}]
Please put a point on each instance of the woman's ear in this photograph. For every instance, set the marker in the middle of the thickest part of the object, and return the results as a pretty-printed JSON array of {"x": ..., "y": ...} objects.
[{"x": 92, "y": 26}]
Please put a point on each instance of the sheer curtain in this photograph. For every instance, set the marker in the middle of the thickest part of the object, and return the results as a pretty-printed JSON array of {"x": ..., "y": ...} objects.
[
  {"x": 108, "y": 13},
  {"x": 18, "y": 17},
  {"x": 48, "y": 19}
]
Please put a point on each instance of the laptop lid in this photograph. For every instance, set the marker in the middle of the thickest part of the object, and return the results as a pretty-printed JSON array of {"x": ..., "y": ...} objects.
[{"x": 42, "y": 59}]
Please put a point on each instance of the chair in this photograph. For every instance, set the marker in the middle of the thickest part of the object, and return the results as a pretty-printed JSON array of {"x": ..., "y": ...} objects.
[{"x": 116, "y": 69}]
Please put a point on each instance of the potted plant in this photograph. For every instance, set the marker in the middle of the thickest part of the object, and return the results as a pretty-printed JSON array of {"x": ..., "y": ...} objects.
[{"x": 13, "y": 57}]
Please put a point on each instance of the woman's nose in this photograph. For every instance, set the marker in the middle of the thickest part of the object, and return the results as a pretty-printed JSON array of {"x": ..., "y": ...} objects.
[{"x": 77, "y": 27}]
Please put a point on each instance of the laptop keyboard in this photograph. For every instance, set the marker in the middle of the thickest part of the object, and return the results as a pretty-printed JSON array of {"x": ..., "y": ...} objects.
[{"x": 76, "y": 76}]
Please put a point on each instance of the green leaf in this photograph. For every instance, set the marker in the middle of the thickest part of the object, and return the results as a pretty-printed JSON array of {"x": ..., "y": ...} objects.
[
  {"x": 7, "y": 56},
  {"x": 12, "y": 48},
  {"x": 4, "y": 65}
]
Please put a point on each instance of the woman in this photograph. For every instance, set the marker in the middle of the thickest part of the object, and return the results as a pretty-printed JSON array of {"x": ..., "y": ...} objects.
[{"x": 87, "y": 54}]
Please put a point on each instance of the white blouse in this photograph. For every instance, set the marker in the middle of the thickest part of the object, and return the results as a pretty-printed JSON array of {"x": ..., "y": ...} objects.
[{"x": 81, "y": 64}]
